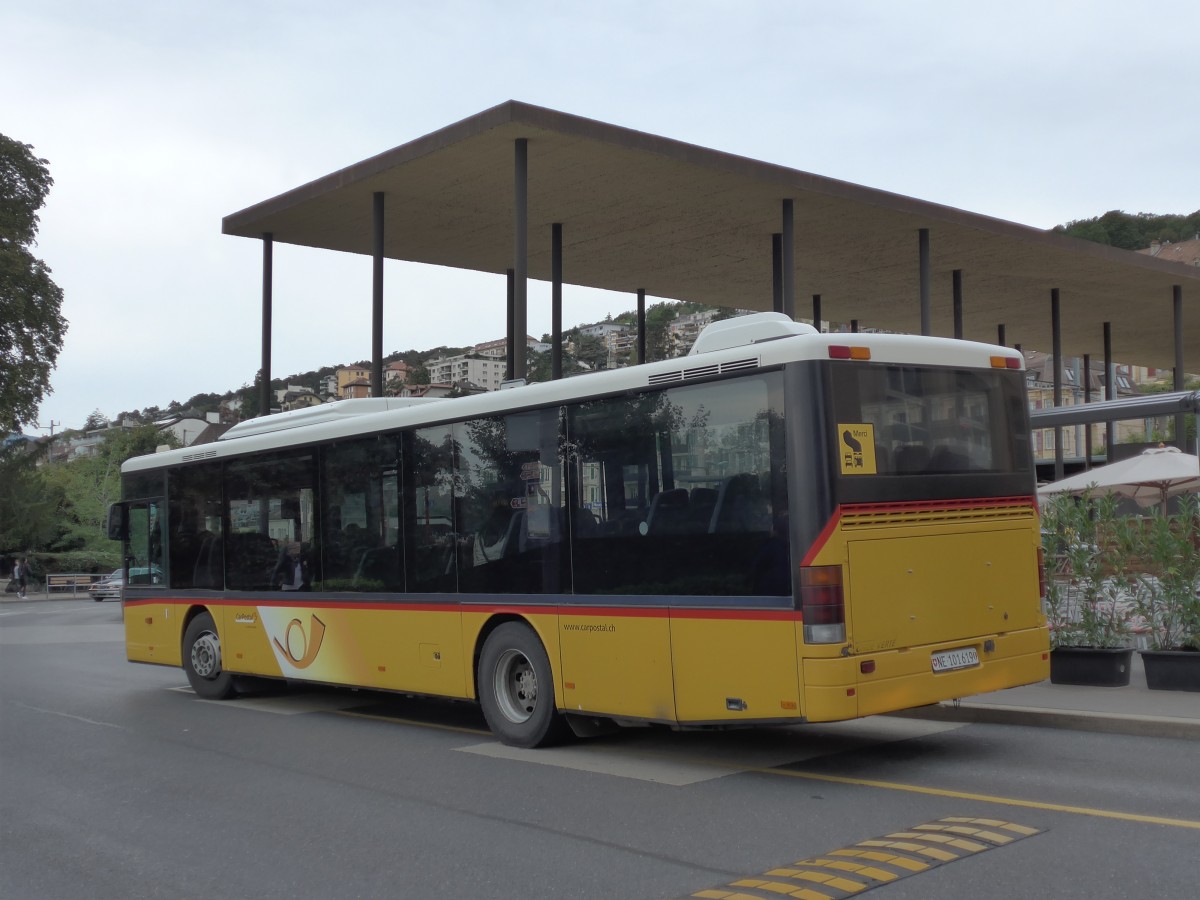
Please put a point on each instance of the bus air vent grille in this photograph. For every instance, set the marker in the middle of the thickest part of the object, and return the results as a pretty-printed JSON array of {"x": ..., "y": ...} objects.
[
  {"x": 876, "y": 515},
  {"x": 665, "y": 377},
  {"x": 706, "y": 371},
  {"x": 203, "y": 454}
]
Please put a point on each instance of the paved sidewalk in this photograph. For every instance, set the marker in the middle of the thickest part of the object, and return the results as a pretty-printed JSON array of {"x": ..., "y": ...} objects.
[{"x": 1133, "y": 709}]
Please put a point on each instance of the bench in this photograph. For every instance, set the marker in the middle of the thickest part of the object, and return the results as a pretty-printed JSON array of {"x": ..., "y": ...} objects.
[{"x": 71, "y": 581}]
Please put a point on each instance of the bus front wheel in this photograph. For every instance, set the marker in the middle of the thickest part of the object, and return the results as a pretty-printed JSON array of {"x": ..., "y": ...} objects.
[
  {"x": 202, "y": 660},
  {"x": 516, "y": 688}
]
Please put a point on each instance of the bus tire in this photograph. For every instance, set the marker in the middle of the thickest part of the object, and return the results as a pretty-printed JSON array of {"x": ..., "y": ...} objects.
[
  {"x": 202, "y": 660},
  {"x": 516, "y": 688}
]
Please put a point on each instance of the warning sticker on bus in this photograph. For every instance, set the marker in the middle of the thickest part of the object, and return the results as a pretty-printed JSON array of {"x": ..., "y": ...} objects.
[{"x": 857, "y": 448}]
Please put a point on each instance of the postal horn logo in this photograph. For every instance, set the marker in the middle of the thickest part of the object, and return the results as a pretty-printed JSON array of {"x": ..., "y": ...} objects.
[{"x": 298, "y": 648}]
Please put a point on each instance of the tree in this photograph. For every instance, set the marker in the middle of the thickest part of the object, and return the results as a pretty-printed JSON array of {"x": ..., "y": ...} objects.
[
  {"x": 89, "y": 484},
  {"x": 29, "y": 506},
  {"x": 31, "y": 322}
]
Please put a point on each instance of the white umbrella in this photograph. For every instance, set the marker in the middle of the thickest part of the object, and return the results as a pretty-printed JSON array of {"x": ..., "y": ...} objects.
[{"x": 1148, "y": 478}]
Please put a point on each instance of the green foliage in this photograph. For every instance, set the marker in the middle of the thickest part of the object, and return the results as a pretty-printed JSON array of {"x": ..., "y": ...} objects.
[
  {"x": 1088, "y": 586},
  {"x": 29, "y": 506},
  {"x": 1133, "y": 232},
  {"x": 31, "y": 322},
  {"x": 1170, "y": 597},
  {"x": 89, "y": 484}
]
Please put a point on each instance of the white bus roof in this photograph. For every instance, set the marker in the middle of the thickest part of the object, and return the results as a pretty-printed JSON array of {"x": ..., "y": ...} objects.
[{"x": 760, "y": 340}]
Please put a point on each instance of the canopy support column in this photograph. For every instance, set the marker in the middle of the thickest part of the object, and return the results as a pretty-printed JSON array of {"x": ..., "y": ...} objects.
[
  {"x": 509, "y": 342},
  {"x": 926, "y": 305},
  {"x": 264, "y": 388},
  {"x": 556, "y": 277},
  {"x": 1180, "y": 418},
  {"x": 788, "y": 240},
  {"x": 777, "y": 272},
  {"x": 1087, "y": 398},
  {"x": 520, "y": 253},
  {"x": 377, "y": 296},
  {"x": 641, "y": 325},
  {"x": 1110, "y": 392},
  {"x": 956, "y": 279},
  {"x": 1056, "y": 340}
]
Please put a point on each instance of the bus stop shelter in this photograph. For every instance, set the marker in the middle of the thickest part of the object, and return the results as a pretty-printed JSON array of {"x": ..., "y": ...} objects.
[{"x": 529, "y": 192}]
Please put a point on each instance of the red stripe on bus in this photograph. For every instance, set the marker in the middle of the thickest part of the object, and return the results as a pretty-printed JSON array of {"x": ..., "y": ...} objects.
[
  {"x": 822, "y": 538},
  {"x": 503, "y": 609},
  {"x": 916, "y": 505}
]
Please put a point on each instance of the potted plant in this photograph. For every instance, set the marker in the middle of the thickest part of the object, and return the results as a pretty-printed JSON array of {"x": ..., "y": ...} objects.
[
  {"x": 1169, "y": 600},
  {"x": 1088, "y": 590}
]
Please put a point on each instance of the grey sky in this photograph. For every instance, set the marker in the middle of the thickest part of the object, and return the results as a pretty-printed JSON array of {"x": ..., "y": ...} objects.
[{"x": 158, "y": 118}]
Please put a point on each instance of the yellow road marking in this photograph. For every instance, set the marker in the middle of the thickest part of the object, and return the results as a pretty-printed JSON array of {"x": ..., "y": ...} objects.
[
  {"x": 865, "y": 782},
  {"x": 983, "y": 798}
]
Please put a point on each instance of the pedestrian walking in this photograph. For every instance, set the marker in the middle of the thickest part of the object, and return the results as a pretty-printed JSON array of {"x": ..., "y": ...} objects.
[{"x": 22, "y": 578}]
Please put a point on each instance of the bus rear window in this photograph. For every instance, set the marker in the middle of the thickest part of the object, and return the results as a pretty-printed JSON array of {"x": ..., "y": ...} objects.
[{"x": 907, "y": 420}]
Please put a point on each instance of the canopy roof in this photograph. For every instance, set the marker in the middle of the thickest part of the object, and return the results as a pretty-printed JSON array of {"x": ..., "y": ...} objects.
[{"x": 690, "y": 223}]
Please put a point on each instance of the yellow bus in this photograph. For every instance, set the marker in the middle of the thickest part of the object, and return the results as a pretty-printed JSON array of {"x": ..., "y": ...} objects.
[{"x": 782, "y": 527}]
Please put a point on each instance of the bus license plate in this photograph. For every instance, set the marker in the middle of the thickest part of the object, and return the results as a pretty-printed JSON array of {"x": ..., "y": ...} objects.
[{"x": 962, "y": 658}]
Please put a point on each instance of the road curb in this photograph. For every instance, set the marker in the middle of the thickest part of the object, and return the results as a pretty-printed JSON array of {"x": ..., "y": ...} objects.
[{"x": 1104, "y": 723}]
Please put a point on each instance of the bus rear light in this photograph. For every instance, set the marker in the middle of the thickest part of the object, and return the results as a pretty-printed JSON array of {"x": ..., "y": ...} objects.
[
  {"x": 822, "y": 604},
  {"x": 1005, "y": 362},
  {"x": 841, "y": 351}
]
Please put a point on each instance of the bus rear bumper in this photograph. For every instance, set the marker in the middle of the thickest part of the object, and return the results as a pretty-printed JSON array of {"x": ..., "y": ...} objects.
[{"x": 837, "y": 689}]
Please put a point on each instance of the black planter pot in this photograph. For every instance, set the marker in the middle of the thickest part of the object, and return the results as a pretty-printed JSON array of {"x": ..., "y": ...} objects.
[
  {"x": 1172, "y": 670},
  {"x": 1095, "y": 666}
]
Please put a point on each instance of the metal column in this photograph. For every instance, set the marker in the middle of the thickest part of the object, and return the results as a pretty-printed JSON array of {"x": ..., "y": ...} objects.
[
  {"x": 509, "y": 342},
  {"x": 1001, "y": 337},
  {"x": 556, "y": 301},
  {"x": 777, "y": 272},
  {"x": 1110, "y": 392},
  {"x": 1056, "y": 340},
  {"x": 817, "y": 311},
  {"x": 926, "y": 305},
  {"x": 520, "y": 253},
  {"x": 377, "y": 297},
  {"x": 641, "y": 325},
  {"x": 1087, "y": 398},
  {"x": 1180, "y": 418},
  {"x": 956, "y": 277},
  {"x": 264, "y": 388},
  {"x": 788, "y": 240}
]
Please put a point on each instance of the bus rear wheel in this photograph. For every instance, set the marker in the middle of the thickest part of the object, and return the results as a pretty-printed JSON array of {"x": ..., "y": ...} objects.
[
  {"x": 516, "y": 688},
  {"x": 202, "y": 660}
]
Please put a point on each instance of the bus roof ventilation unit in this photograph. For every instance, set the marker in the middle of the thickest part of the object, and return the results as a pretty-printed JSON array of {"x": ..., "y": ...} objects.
[
  {"x": 745, "y": 330},
  {"x": 337, "y": 411}
]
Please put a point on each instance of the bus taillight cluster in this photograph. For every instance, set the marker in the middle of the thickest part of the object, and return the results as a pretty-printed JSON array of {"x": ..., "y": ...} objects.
[{"x": 822, "y": 604}]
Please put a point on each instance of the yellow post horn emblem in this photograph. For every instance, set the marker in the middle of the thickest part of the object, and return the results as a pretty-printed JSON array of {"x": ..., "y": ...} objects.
[{"x": 309, "y": 648}]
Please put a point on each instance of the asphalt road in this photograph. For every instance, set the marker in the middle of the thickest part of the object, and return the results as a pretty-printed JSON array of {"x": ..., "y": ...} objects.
[{"x": 116, "y": 781}]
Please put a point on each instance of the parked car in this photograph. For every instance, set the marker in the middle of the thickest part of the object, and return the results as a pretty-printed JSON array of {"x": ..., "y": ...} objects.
[{"x": 108, "y": 587}]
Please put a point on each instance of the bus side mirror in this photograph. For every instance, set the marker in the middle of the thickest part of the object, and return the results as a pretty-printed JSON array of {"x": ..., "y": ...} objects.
[{"x": 117, "y": 522}]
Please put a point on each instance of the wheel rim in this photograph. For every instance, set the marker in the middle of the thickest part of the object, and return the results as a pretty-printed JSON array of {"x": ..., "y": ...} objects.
[
  {"x": 515, "y": 686},
  {"x": 206, "y": 656}
]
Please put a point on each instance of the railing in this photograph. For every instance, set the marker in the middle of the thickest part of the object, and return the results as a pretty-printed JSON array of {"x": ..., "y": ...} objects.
[{"x": 71, "y": 581}]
